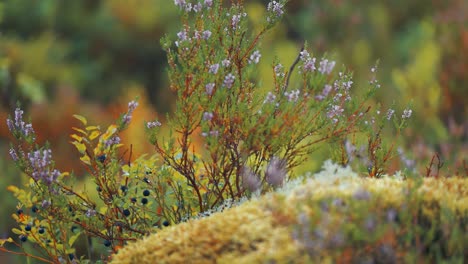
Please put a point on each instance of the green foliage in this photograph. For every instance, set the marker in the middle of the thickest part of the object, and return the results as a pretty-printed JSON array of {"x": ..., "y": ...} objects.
[{"x": 251, "y": 139}]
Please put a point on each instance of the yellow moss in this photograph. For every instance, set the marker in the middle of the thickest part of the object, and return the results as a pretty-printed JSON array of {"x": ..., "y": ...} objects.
[{"x": 259, "y": 231}]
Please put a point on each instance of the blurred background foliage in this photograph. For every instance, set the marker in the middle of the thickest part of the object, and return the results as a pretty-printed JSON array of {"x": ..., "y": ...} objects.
[{"x": 59, "y": 58}]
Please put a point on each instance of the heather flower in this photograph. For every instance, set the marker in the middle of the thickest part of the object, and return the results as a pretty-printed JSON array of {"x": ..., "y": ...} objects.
[
  {"x": 235, "y": 21},
  {"x": 279, "y": 70},
  {"x": 179, "y": 3},
  {"x": 226, "y": 63},
  {"x": 182, "y": 35},
  {"x": 309, "y": 65},
  {"x": 326, "y": 66},
  {"x": 112, "y": 141},
  {"x": 255, "y": 57},
  {"x": 19, "y": 126},
  {"x": 350, "y": 150},
  {"x": 153, "y": 124},
  {"x": 304, "y": 55},
  {"x": 128, "y": 116},
  {"x": 90, "y": 213},
  {"x": 270, "y": 98},
  {"x": 214, "y": 68},
  {"x": 40, "y": 163},
  {"x": 406, "y": 113},
  {"x": 229, "y": 80},
  {"x": 390, "y": 113},
  {"x": 206, "y": 34},
  {"x": 276, "y": 8},
  {"x": 334, "y": 112},
  {"x": 250, "y": 180},
  {"x": 197, "y": 8},
  {"x": 326, "y": 90},
  {"x": 45, "y": 204},
  {"x": 292, "y": 96},
  {"x": 208, "y": 3},
  {"x": 275, "y": 173},
  {"x": 209, "y": 88},
  {"x": 13, "y": 155},
  {"x": 188, "y": 7},
  {"x": 207, "y": 116}
]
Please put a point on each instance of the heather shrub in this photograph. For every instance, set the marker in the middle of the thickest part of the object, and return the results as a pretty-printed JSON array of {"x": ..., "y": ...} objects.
[{"x": 251, "y": 140}]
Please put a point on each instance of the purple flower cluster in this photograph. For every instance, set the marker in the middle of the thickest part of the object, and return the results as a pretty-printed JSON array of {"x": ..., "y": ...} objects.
[
  {"x": 128, "y": 116},
  {"x": 207, "y": 116},
  {"x": 214, "y": 68},
  {"x": 229, "y": 80},
  {"x": 390, "y": 113},
  {"x": 326, "y": 66},
  {"x": 270, "y": 98},
  {"x": 326, "y": 90},
  {"x": 112, "y": 141},
  {"x": 275, "y": 173},
  {"x": 406, "y": 113},
  {"x": 250, "y": 180},
  {"x": 209, "y": 88},
  {"x": 226, "y": 63},
  {"x": 279, "y": 70},
  {"x": 235, "y": 21},
  {"x": 334, "y": 112},
  {"x": 255, "y": 57},
  {"x": 276, "y": 9},
  {"x": 153, "y": 124},
  {"x": 195, "y": 7},
  {"x": 19, "y": 126},
  {"x": 40, "y": 163},
  {"x": 292, "y": 96}
]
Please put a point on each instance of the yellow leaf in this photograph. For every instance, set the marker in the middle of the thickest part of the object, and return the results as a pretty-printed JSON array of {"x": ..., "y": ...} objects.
[
  {"x": 81, "y": 118},
  {"x": 90, "y": 128},
  {"x": 80, "y": 130},
  {"x": 76, "y": 137},
  {"x": 94, "y": 134},
  {"x": 73, "y": 238},
  {"x": 12, "y": 188},
  {"x": 17, "y": 231},
  {"x": 85, "y": 159},
  {"x": 3, "y": 241},
  {"x": 109, "y": 133},
  {"x": 80, "y": 147}
]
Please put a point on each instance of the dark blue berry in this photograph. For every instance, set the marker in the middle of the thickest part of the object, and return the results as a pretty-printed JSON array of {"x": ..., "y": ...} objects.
[
  {"x": 41, "y": 230},
  {"x": 34, "y": 209},
  {"x": 146, "y": 192},
  {"x": 107, "y": 243},
  {"x": 71, "y": 256},
  {"x": 27, "y": 228},
  {"x": 133, "y": 200},
  {"x": 20, "y": 211},
  {"x": 165, "y": 223},
  {"x": 123, "y": 188},
  {"x": 102, "y": 158},
  {"x": 144, "y": 200},
  {"x": 126, "y": 212},
  {"x": 146, "y": 180},
  {"x": 23, "y": 238}
]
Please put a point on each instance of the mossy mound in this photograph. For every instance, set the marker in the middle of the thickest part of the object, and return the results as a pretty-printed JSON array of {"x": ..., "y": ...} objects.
[{"x": 336, "y": 217}]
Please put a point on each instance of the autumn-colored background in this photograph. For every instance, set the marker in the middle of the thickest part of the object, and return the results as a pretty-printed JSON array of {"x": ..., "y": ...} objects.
[{"x": 90, "y": 57}]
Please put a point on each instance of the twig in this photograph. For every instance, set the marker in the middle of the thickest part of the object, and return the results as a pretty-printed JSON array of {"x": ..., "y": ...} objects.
[{"x": 291, "y": 69}]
